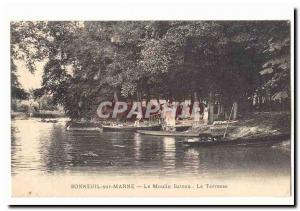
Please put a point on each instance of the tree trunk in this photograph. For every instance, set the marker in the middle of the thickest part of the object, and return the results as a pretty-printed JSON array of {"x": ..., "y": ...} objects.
[
  {"x": 199, "y": 94},
  {"x": 195, "y": 96},
  {"x": 260, "y": 101},
  {"x": 138, "y": 96},
  {"x": 116, "y": 96},
  {"x": 235, "y": 110},
  {"x": 210, "y": 109},
  {"x": 222, "y": 111},
  {"x": 219, "y": 110},
  {"x": 157, "y": 99},
  {"x": 250, "y": 103},
  {"x": 148, "y": 96},
  {"x": 192, "y": 99}
]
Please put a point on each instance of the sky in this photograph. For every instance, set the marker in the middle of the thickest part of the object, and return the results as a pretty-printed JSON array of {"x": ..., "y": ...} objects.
[{"x": 30, "y": 80}]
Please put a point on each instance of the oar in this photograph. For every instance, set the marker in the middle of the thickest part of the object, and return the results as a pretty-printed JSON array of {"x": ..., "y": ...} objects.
[{"x": 228, "y": 121}]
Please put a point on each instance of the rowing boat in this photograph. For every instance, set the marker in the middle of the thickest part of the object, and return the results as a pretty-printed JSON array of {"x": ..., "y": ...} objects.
[
  {"x": 83, "y": 128},
  {"x": 243, "y": 141},
  {"x": 129, "y": 128},
  {"x": 167, "y": 133}
]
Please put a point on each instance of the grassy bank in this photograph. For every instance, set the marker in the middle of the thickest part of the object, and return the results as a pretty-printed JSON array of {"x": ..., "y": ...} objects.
[
  {"x": 262, "y": 124},
  {"x": 252, "y": 125}
]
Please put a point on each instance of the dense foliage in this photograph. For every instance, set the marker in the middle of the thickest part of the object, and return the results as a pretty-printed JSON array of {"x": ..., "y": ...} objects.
[{"x": 215, "y": 61}]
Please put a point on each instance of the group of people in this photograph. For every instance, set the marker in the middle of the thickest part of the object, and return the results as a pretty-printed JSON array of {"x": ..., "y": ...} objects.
[
  {"x": 168, "y": 112},
  {"x": 198, "y": 112}
]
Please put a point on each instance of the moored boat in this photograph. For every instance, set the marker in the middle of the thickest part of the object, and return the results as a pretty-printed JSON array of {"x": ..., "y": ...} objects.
[
  {"x": 243, "y": 141},
  {"x": 167, "y": 133},
  {"x": 182, "y": 127},
  {"x": 83, "y": 128},
  {"x": 49, "y": 120},
  {"x": 130, "y": 128}
]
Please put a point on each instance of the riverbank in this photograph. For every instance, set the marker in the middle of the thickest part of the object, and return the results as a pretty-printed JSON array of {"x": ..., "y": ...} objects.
[
  {"x": 253, "y": 125},
  {"x": 259, "y": 125},
  {"x": 40, "y": 114}
]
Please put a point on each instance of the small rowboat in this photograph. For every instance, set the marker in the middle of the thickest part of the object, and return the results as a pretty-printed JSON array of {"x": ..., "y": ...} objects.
[
  {"x": 244, "y": 141},
  {"x": 131, "y": 128},
  {"x": 49, "y": 120},
  {"x": 83, "y": 128},
  {"x": 167, "y": 133}
]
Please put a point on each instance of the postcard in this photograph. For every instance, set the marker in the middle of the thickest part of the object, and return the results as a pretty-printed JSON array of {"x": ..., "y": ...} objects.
[{"x": 151, "y": 108}]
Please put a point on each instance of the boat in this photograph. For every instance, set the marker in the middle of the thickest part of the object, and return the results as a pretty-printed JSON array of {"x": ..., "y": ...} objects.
[
  {"x": 167, "y": 133},
  {"x": 208, "y": 140},
  {"x": 83, "y": 128},
  {"x": 216, "y": 131},
  {"x": 49, "y": 120},
  {"x": 182, "y": 127},
  {"x": 130, "y": 128}
]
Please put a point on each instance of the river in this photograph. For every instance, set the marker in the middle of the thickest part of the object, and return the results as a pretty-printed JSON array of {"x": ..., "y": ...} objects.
[{"x": 47, "y": 148}]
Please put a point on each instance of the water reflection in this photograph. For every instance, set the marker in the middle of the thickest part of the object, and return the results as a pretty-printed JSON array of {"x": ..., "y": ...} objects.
[
  {"x": 47, "y": 148},
  {"x": 168, "y": 160}
]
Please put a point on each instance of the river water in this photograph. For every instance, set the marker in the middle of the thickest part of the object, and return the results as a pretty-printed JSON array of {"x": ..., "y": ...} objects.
[{"x": 47, "y": 148}]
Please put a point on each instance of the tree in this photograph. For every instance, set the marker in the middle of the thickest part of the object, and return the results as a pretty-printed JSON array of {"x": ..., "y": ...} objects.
[{"x": 218, "y": 62}]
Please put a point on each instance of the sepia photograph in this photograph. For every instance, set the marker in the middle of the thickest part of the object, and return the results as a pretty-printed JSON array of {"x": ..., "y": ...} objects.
[{"x": 151, "y": 108}]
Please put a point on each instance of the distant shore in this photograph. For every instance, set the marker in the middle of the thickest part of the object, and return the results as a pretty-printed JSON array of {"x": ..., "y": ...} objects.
[{"x": 40, "y": 114}]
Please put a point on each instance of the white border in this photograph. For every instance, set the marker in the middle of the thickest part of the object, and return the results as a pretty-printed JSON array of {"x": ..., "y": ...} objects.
[
  {"x": 131, "y": 10},
  {"x": 110, "y": 10}
]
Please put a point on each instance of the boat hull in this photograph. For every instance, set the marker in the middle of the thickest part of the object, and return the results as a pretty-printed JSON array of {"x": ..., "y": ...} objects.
[
  {"x": 83, "y": 129},
  {"x": 181, "y": 128},
  {"x": 258, "y": 141},
  {"x": 167, "y": 133},
  {"x": 130, "y": 129}
]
